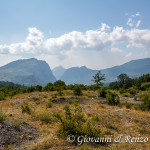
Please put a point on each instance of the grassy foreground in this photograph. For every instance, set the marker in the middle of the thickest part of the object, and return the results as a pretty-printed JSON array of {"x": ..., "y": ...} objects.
[{"x": 41, "y": 110}]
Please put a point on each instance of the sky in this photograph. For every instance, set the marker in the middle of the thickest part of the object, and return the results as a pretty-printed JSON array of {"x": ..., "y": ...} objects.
[{"x": 94, "y": 33}]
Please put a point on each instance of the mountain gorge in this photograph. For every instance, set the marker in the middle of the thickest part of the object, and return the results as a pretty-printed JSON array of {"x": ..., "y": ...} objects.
[{"x": 58, "y": 71}]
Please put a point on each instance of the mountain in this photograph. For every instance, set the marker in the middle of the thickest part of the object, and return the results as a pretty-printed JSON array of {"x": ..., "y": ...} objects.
[
  {"x": 27, "y": 72},
  {"x": 58, "y": 72},
  {"x": 83, "y": 75}
]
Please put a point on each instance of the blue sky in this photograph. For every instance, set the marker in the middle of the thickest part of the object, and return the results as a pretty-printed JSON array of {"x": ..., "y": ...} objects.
[{"x": 95, "y": 33}]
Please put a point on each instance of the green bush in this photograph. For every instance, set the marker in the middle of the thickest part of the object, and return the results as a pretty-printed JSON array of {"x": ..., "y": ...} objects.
[
  {"x": 132, "y": 91},
  {"x": 90, "y": 131},
  {"x": 38, "y": 88},
  {"x": 45, "y": 117},
  {"x": 146, "y": 102},
  {"x": 58, "y": 85},
  {"x": 102, "y": 92},
  {"x": 36, "y": 98},
  {"x": 122, "y": 91},
  {"x": 2, "y": 117},
  {"x": 95, "y": 118},
  {"x": 25, "y": 108},
  {"x": 60, "y": 93},
  {"x": 49, "y": 104},
  {"x": 136, "y": 107},
  {"x": 128, "y": 105},
  {"x": 112, "y": 99},
  {"x": 74, "y": 101},
  {"x": 54, "y": 95},
  {"x": 75, "y": 123},
  {"x": 2, "y": 96},
  {"x": 77, "y": 90},
  {"x": 30, "y": 89}
]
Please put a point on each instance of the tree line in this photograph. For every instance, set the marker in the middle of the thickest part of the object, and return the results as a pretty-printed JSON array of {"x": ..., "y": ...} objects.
[{"x": 124, "y": 82}]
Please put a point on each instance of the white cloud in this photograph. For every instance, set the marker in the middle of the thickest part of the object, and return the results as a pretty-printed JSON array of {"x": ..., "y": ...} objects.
[
  {"x": 138, "y": 23},
  {"x": 132, "y": 22},
  {"x": 114, "y": 49},
  {"x": 105, "y": 27},
  {"x": 31, "y": 46},
  {"x": 91, "y": 40},
  {"x": 129, "y": 54}
]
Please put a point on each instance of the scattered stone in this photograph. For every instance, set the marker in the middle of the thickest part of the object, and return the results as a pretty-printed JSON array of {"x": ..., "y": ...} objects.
[{"x": 12, "y": 135}]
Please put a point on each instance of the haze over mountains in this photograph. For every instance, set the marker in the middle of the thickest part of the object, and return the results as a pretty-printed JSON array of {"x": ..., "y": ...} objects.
[
  {"x": 37, "y": 72},
  {"x": 83, "y": 75},
  {"x": 58, "y": 72}
]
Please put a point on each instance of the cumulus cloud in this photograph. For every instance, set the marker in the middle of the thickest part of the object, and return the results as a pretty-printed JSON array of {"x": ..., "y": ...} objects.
[
  {"x": 31, "y": 46},
  {"x": 105, "y": 27},
  {"x": 92, "y": 40}
]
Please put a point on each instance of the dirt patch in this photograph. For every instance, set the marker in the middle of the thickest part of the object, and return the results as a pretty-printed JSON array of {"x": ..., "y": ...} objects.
[{"x": 13, "y": 135}]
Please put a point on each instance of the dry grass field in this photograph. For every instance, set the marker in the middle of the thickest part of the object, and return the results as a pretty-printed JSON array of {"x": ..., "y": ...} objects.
[{"x": 30, "y": 123}]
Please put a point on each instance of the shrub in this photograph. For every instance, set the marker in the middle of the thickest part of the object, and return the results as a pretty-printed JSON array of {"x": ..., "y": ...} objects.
[
  {"x": 60, "y": 93},
  {"x": 146, "y": 102},
  {"x": 38, "y": 88},
  {"x": 136, "y": 107},
  {"x": 59, "y": 85},
  {"x": 112, "y": 99},
  {"x": 77, "y": 91},
  {"x": 2, "y": 117},
  {"x": 102, "y": 92},
  {"x": 73, "y": 123},
  {"x": 95, "y": 118},
  {"x": 49, "y": 87},
  {"x": 17, "y": 123},
  {"x": 122, "y": 91},
  {"x": 2, "y": 96},
  {"x": 35, "y": 98},
  {"x": 45, "y": 117},
  {"x": 49, "y": 104},
  {"x": 30, "y": 89},
  {"x": 91, "y": 131},
  {"x": 128, "y": 105},
  {"x": 25, "y": 108},
  {"x": 132, "y": 91},
  {"x": 54, "y": 95},
  {"x": 74, "y": 101}
]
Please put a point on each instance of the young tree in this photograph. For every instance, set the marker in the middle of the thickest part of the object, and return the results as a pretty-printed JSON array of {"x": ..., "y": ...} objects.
[
  {"x": 98, "y": 78},
  {"x": 122, "y": 77}
]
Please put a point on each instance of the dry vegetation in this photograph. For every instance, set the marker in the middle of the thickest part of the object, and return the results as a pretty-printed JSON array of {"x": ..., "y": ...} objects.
[{"x": 36, "y": 111}]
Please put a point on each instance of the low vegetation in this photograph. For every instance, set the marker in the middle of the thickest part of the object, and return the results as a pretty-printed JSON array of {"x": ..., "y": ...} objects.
[
  {"x": 58, "y": 110},
  {"x": 2, "y": 116},
  {"x": 112, "y": 99}
]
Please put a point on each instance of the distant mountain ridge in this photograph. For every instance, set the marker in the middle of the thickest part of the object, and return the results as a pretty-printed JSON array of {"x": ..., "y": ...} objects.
[
  {"x": 83, "y": 75},
  {"x": 27, "y": 72},
  {"x": 37, "y": 72},
  {"x": 58, "y": 71}
]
